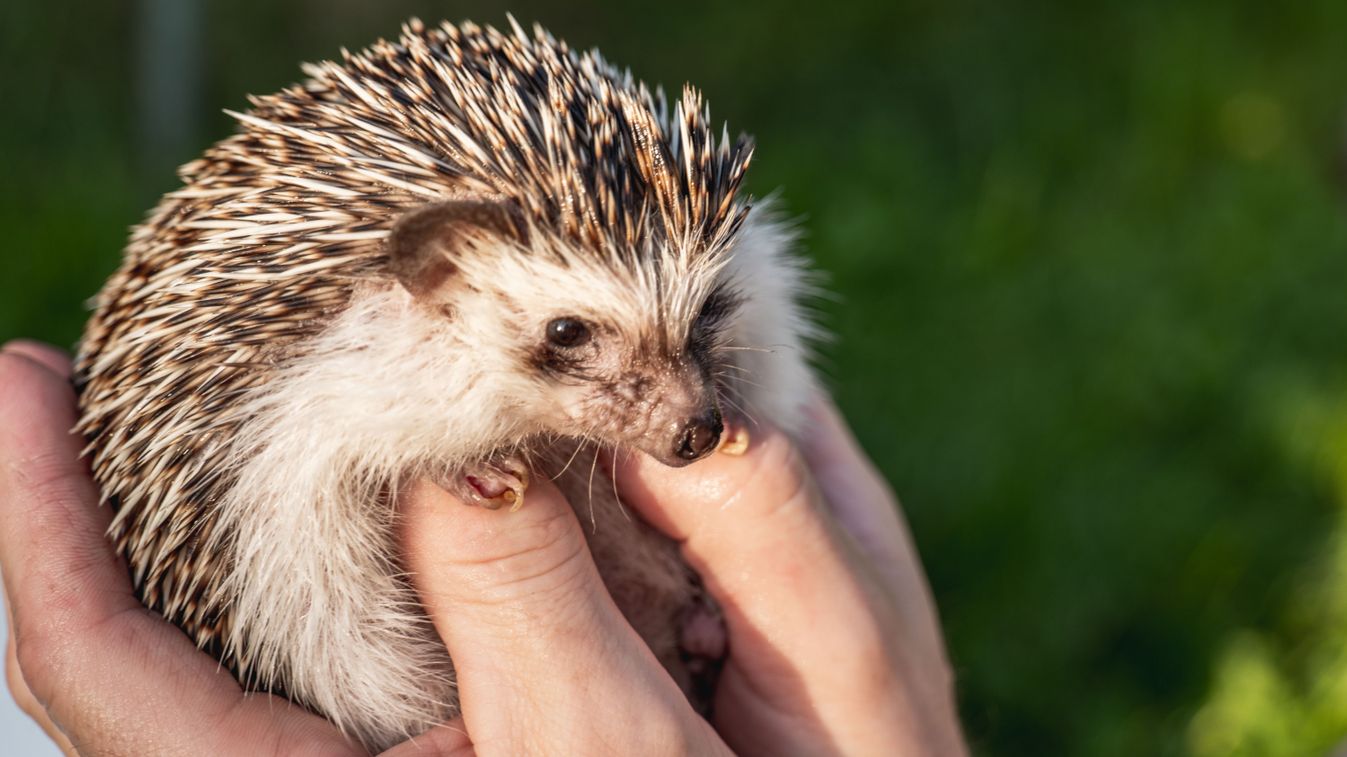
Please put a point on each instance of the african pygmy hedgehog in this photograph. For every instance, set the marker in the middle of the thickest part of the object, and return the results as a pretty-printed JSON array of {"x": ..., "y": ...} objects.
[{"x": 465, "y": 254}]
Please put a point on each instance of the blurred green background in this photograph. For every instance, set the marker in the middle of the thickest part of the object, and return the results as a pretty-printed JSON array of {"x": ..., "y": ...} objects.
[{"x": 1090, "y": 321}]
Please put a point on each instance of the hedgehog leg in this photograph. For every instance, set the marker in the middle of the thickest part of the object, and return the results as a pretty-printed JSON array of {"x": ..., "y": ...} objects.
[
  {"x": 703, "y": 631},
  {"x": 495, "y": 484},
  {"x": 702, "y": 641}
]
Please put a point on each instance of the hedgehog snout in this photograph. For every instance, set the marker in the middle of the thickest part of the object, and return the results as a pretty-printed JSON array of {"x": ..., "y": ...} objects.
[{"x": 699, "y": 436}]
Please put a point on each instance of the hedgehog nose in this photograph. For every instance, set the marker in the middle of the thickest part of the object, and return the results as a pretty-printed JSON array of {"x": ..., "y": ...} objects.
[{"x": 699, "y": 437}]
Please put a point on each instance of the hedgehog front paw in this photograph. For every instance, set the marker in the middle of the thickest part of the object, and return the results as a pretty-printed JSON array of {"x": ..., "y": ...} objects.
[{"x": 496, "y": 484}]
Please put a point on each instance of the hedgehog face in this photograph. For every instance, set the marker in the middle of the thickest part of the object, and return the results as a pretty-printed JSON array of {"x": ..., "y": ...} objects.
[
  {"x": 604, "y": 359},
  {"x": 596, "y": 377},
  {"x": 622, "y": 354}
]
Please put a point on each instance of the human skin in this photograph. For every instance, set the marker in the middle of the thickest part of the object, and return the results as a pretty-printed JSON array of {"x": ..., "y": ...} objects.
[{"x": 833, "y": 641}]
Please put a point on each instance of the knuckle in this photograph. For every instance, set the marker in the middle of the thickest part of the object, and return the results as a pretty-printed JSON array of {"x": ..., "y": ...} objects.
[
  {"x": 37, "y": 657},
  {"x": 20, "y": 692},
  {"x": 21, "y": 378},
  {"x": 18, "y": 688},
  {"x": 544, "y": 560},
  {"x": 671, "y": 734},
  {"x": 872, "y": 669},
  {"x": 12, "y": 370},
  {"x": 777, "y": 483},
  {"x": 45, "y": 475},
  {"x": 518, "y": 543},
  {"x": 545, "y": 556},
  {"x": 54, "y": 646}
]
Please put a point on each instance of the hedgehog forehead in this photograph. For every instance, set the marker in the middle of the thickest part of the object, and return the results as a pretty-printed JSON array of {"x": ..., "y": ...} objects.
[{"x": 650, "y": 301}]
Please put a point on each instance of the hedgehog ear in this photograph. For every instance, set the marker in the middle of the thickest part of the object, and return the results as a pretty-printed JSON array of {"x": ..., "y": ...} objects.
[{"x": 423, "y": 243}]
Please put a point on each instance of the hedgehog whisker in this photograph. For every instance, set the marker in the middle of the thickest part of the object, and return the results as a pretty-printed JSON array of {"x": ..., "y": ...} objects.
[
  {"x": 574, "y": 454},
  {"x": 594, "y": 461},
  {"x": 739, "y": 409},
  {"x": 738, "y": 379},
  {"x": 616, "y": 497},
  {"x": 732, "y": 366}
]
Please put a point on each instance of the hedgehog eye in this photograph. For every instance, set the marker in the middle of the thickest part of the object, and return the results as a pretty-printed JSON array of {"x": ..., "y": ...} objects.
[{"x": 567, "y": 332}]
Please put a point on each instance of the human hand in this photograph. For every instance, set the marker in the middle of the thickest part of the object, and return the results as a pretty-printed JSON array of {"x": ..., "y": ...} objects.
[
  {"x": 100, "y": 673},
  {"x": 834, "y": 643},
  {"x": 834, "y": 646}
]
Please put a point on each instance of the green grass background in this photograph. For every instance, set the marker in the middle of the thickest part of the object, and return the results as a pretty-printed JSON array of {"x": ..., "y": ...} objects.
[{"x": 1091, "y": 321}]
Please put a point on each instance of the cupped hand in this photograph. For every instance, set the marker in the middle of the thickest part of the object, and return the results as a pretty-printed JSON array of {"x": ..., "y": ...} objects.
[{"x": 100, "y": 673}]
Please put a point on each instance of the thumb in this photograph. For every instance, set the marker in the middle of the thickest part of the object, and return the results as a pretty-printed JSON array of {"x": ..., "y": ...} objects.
[
  {"x": 538, "y": 645},
  {"x": 473, "y": 564},
  {"x": 740, "y": 518}
]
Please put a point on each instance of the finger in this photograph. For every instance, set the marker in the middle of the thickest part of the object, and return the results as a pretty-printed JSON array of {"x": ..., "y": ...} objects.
[
  {"x": 23, "y": 696},
  {"x": 46, "y": 490},
  {"x": 866, "y": 508},
  {"x": 856, "y": 493},
  {"x": 809, "y": 622},
  {"x": 741, "y": 518},
  {"x": 537, "y": 643},
  {"x": 112, "y": 676},
  {"x": 752, "y": 525},
  {"x": 49, "y": 357},
  {"x": 448, "y": 740}
]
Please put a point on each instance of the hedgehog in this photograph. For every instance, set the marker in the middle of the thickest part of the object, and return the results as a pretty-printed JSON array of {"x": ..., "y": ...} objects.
[{"x": 468, "y": 254}]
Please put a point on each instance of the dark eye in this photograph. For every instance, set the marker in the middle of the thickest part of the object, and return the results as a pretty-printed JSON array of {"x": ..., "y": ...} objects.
[{"x": 567, "y": 332}]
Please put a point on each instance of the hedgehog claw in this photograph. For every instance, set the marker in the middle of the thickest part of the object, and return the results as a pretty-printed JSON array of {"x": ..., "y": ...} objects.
[
  {"x": 495, "y": 485},
  {"x": 734, "y": 439}
]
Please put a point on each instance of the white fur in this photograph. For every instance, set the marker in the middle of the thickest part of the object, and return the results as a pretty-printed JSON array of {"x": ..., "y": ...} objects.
[
  {"x": 392, "y": 390},
  {"x": 773, "y": 332}
]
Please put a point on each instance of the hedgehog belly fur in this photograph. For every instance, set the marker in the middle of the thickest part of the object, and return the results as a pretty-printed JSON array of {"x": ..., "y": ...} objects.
[{"x": 330, "y": 436}]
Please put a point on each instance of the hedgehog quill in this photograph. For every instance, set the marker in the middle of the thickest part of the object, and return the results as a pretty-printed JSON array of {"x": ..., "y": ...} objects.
[{"x": 466, "y": 254}]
